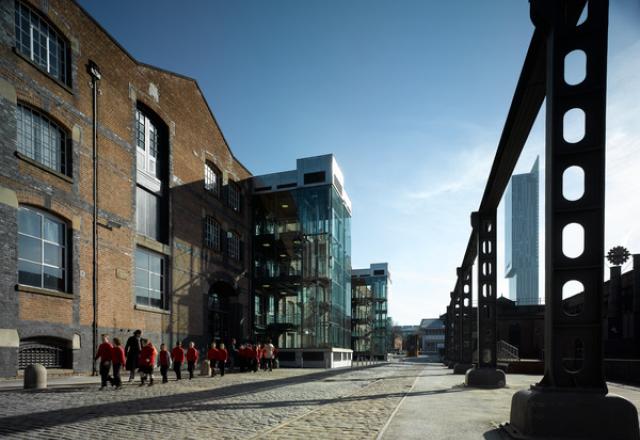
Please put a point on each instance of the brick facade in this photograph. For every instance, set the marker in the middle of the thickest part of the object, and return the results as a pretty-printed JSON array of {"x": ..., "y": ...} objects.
[{"x": 193, "y": 137}]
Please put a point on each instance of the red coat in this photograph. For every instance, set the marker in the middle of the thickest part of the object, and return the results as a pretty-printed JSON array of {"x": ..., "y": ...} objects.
[
  {"x": 165, "y": 360},
  {"x": 212, "y": 354},
  {"x": 117, "y": 355},
  {"x": 223, "y": 354},
  {"x": 104, "y": 352},
  {"x": 148, "y": 356},
  {"x": 192, "y": 354},
  {"x": 177, "y": 354}
]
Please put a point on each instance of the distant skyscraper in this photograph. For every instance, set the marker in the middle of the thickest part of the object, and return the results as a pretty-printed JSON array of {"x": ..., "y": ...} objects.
[{"x": 521, "y": 236}]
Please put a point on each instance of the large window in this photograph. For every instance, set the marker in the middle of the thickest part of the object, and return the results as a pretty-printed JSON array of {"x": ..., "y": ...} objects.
[
  {"x": 41, "y": 139},
  {"x": 148, "y": 213},
  {"x": 234, "y": 196},
  {"x": 212, "y": 178},
  {"x": 41, "y": 43},
  {"x": 42, "y": 250},
  {"x": 147, "y": 144},
  {"x": 211, "y": 233},
  {"x": 150, "y": 278},
  {"x": 233, "y": 245}
]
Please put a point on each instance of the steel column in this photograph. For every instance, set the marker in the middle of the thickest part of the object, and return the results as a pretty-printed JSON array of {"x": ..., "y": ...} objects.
[
  {"x": 465, "y": 296},
  {"x": 571, "y": 399}
]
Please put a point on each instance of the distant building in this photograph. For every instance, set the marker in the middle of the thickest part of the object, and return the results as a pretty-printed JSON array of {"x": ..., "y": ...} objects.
[
  {"x": 369, "y": 323},
  {"x": 433, "y": 336},
  {"x": 521, "y": 236},
  {"x": 302, "y": 263}
]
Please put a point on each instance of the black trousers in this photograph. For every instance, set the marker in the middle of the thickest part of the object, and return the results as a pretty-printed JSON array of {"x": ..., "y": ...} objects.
[
  {"x": 190, "y": 366},
  {"x": 268, "y": 363},
  {"x": 163, "y": 373},
  {"x": 104, "y": 372},
  {"x": 221, "y": 366},
  {"x": 177, "y": 368},
  {"x": 117, "y": 381}
]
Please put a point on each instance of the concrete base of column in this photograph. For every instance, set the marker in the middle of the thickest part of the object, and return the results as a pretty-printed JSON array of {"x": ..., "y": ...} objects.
[
  {"x": 461, "y": 368},
  {"x": 542, "y": 414},
  {"x": 485, "y": 378}
]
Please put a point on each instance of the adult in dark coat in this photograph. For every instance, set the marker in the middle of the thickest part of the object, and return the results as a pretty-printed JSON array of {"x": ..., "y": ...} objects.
[{"x": 132, "y": 350}]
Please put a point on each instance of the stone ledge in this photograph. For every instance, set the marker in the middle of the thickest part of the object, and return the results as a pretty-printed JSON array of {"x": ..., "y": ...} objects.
[
  {"x": 42, "y": 291},
  {"x": 151, "y": 309}
]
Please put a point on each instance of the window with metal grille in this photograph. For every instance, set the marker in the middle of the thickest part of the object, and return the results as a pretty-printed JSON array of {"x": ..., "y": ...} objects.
[
  {"x": 48, "y": 352},
  {"x": 211, "y": 233},
  {"x": 37, "y": 40},
  {"x": 212, "y": 178},
  {"x": 234, "y": 196},
  {"x": 41, "y": 139},
  {"x": 147, "y": 144},
  {"x": 150, "y": 278},
  {"x": 42, "y": 250},
  {"x": 233, "y": 245}
]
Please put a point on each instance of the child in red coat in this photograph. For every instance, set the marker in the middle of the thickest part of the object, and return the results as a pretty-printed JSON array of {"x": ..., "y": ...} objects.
[
  {"x": 118, "y": 360},
  {"x": 104, "y": 353},
  {"x": 192, "y": 358},
  {"x": 164, "y": 360},
  {"x": 177, "y": 354},
  {"x": 147, "y": 361},
  {"x": 212, "y": 357}
]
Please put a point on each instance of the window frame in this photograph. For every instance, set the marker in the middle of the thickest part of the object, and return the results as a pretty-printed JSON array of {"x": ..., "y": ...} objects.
[
  {"x": 163, "y": 278},
  {"x": 64, "y": 245},
  {"x": 40, "y": 23},
  {"x": 211, "y": 169},
  {"x": 233, "y": 252},
  {"x": 41, "y": 126},
  {"x": 143, "y": 211},
  {"x": 212, "y": 233},
  {"x": 234, "y": 202},
  {"x": 147, "y": 130}
]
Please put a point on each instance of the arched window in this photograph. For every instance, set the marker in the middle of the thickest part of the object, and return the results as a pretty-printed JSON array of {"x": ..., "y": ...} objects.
[
  {"x": 38, "y": 41},
  {"x": 42, "y": 140},
  {"x": 42, "y": 250},
  {"x": 147, "y": 142}
]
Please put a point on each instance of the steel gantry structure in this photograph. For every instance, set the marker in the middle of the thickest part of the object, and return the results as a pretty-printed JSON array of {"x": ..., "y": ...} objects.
[{"x": 572, "y": 400}]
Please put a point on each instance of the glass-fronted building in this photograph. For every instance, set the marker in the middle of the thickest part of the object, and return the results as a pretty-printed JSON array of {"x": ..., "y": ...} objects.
[
  {"x": 302, "y": 260},
  {"x": 521, "y": 237},
  {"x": 369, "y": 301}
]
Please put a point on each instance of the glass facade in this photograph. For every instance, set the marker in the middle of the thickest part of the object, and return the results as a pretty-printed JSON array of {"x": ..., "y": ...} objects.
[
  {"x": 302, "y": 268},
  {"x": 369, "y": 295}
]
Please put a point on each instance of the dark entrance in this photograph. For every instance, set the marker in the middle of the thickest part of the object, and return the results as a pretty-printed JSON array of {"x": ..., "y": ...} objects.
[
  {"x": 220, "y": 309},
  {"x": 47, "y": 351}
]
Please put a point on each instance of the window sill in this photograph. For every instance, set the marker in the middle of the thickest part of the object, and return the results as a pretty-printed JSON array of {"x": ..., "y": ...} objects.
[
  {"x": 151, "y": 309},
  {"x": 39, "y": 69},
  {"x": 43, "y": 167},
  {"x": 152, "y": 244},
  {"x": 42, "y": 291}
]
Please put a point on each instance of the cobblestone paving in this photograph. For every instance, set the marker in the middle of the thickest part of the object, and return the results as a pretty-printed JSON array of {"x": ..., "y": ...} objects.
[{"x": 286, "y": 403}]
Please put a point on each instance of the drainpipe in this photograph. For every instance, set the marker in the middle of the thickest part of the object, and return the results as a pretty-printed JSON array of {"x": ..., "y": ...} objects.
[{"x": 92, "y": 69}]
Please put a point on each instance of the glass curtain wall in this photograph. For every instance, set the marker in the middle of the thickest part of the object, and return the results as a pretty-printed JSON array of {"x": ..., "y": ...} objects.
[{"x": 302, "y": 267}]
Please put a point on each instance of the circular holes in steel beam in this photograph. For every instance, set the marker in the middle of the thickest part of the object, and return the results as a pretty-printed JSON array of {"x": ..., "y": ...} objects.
[
  {"x": 573, "y": 356},
  {"x": 573, "y": 240},
  {"x": 573, "y": 126},
  {"x": 575, "y": 67},
  {"x": 572, "y": 298},
  {"x": 573, "y": 183}
]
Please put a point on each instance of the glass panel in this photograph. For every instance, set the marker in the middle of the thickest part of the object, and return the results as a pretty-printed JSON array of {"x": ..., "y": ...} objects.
[
  {"x": 53, "y": 278},
  {"x": 53, "y": 231},
  {"x": 53, "y": 255},
  {"x": 29, "y": 248},
  {"x": 29, "y": 222},
  {"x": 155, "y": 298},
  {"x": 142, "y": 296},
  {"x": 142, "y": 259},
  {"x": 155, "y": 264},
  {"x": 29, "y": 274},
  {"x": 142, "y": 278},
  {"x": 155, "y": 282}
]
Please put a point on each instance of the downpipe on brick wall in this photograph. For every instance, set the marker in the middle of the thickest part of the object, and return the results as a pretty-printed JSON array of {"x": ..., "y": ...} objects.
[{"x": 93, "y": 70}]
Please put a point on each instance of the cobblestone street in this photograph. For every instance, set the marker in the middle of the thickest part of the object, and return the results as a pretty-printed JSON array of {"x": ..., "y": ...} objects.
[
  {"x": 401, "y": 400},
  {"x": 287, "y": 403}
]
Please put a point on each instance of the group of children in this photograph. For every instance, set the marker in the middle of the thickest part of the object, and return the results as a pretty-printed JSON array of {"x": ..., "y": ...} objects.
[{"x": 141, "y": 355}]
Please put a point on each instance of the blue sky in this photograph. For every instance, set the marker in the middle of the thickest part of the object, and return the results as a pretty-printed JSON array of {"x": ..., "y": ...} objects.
[{"x": 411, "y": 97}]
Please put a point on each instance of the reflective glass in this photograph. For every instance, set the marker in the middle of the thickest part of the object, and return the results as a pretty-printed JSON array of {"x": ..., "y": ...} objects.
[
  {"x": 53, "y": 231},
  {"x": 30, "y": 248},
  {"x": 142, "y": 278},
  {"x": 29, "y": 274},
  {"x": 53, "y": 255},
  {"x": 29, "y": 222},
  {"x": 53, "y": 278}
]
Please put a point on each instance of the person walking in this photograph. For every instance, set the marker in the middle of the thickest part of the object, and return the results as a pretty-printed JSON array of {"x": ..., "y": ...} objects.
[
  {"x": 233, "y": 354},
  {"x": 212, "y": 357},
  {"x": 223, "y": 356},
  {"x": 164, "y": 360},
  {"x": 192, "y": 358},
  {"x": 132, "y": 351},
  {"x": 117, "y": 360},
  {"x": 147, "y": 360},
  {"x": 268, "y": 353},
  {"x": 104, "y": 353},
  {"x": 177, "y": 354}
]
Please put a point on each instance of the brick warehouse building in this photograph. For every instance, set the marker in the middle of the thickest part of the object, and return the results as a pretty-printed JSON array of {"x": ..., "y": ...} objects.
[{"x": 173, "y": 223}]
